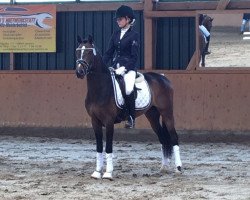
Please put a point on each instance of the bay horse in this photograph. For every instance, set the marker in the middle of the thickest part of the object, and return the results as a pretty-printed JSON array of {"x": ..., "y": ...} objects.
[
  {"x": 103, "y": 111},
  {"x": 207, "y": 22}
]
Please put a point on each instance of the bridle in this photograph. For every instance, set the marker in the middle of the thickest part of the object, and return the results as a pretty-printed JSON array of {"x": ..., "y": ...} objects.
[{"x": 84, "y": 63}]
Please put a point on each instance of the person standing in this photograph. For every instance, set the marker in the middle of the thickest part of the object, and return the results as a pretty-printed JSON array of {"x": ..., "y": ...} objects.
[
  {"x": 245, "y": 19},
  {"x": 123, "y": 51}
]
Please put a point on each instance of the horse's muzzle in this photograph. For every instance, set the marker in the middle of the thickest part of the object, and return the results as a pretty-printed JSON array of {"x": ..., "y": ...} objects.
[{"x": 80, "y": 73}]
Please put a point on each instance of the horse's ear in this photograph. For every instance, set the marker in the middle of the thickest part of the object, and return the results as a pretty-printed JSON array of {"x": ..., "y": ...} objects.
[
  {"x": 212, "y": 19},
  {"x": 90, "y": 39},
  {"x": 79, "y": 39}
]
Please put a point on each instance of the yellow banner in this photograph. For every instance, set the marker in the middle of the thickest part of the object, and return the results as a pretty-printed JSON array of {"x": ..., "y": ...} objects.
[{"x": 28, "y": 28}]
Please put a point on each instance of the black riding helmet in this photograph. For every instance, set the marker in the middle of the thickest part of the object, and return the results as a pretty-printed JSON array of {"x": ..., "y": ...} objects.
[{"x": 124, "y": 11}]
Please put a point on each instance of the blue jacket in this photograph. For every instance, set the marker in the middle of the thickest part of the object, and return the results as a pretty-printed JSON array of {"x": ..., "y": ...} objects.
[
  {"x": 124, "y": 51},
  {"x": 246, "y": 16}
]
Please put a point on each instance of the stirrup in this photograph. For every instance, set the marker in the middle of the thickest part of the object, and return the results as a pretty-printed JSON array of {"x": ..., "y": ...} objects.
[{"x": 130, "y": 123}]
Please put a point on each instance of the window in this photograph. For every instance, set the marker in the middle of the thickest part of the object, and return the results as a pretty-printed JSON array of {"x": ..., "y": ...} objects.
[{"x": 227, "y": 46}]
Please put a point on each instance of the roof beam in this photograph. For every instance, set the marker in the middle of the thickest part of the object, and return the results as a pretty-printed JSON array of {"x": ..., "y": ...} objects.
[
  {"x": 202, "y": 5},
  {"x": 239, "y": 5},
  {"x": 188, "y": 5},
  {"x": 159, "y": 6},
  {"x": 149, "y": 14},
  {"x": 67, "y": 7},
  {"x": 222, "y": 4}
]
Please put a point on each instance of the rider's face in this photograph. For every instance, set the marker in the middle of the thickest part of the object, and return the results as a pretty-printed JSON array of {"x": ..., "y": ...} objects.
[{"x": 122, "y": 22}]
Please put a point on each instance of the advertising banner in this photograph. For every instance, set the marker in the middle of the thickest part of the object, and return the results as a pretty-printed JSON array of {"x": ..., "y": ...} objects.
[{"x": 28, "y": 28}]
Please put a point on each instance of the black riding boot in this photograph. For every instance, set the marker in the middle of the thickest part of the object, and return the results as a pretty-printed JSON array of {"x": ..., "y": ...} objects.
[
  {"x": 130, "y": 103},
  {"x": 207, "y": 45}
]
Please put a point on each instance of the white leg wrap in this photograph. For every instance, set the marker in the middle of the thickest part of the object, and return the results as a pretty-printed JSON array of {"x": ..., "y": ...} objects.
[
  {"x": 109, "y": 160},
  {"x": 96, "y": 175},
  {"x": 204, "y": 30},
  {"x": 165, "y": 160},
  {"x": 99, "y": 162},
  {"x": 177, "y": 156},
  {"x": 109, "y": 167}
]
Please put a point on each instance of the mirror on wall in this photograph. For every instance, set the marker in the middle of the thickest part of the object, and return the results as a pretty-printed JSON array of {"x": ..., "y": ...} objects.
[{"x": 229, "y": 46}]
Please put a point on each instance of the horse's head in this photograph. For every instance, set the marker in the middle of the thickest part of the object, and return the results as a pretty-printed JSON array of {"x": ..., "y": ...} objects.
[
  {"x": 208, "y": 22},
  {"x": 85, "y": 54}
]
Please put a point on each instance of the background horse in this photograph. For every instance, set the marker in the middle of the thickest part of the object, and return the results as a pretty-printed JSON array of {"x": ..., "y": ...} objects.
[
  {"x": 101, "y": 107},
  {"x": 207, "y": 22}
]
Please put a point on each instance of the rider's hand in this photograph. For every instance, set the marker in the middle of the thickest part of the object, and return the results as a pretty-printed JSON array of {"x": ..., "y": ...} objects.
[{"x": 120, "y": 71}]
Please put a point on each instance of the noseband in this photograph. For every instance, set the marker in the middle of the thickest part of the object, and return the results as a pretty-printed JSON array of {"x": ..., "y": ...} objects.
[{"x": 84, "y": 63}]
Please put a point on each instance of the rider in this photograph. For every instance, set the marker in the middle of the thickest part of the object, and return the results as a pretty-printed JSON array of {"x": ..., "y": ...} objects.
[
  {"x": 205, "y": 32},
  {"x": 123, "y": 50},
  {"x": 245, "y": 19}
]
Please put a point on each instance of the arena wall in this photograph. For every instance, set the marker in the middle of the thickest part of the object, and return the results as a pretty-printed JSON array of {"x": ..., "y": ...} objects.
[
  {"x": 213, "y": 99},
  {"x": 203, "y": 100},
  {"x": 233, "y": 20}
]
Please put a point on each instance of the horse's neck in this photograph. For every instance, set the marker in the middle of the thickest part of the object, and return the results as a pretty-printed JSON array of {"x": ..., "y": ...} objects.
[
  {"x": 99, "y": 78},
  {"x": 99, "y": 88},
  {"x": 100, "y": 66}
]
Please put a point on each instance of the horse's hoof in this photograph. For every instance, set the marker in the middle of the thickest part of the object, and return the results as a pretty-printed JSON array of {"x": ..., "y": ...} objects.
[
  {"x": 107, "y": 175},
  {"x": 164, "y": 169},
  {"x": 178, "y": 170},
  {"x": 96, "y": 175}
]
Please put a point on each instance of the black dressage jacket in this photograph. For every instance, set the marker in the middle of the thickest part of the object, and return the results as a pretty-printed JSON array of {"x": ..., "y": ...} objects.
[{"x": 124, "y": 51}]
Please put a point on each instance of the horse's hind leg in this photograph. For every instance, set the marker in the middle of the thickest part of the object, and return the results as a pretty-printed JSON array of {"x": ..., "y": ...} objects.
[
  {"x": 153, "y": 117},
  {"x": 99, "y": 148},
  {"x": 203, "y": 59},
  {"x": 168, "y": 123}
]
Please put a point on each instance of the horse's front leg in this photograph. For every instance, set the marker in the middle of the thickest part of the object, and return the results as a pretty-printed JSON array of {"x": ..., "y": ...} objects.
[
  {"x": 97, "y": 126},
  {"x": 109, "y": 151},
  {"x": 203, "y": 59}
]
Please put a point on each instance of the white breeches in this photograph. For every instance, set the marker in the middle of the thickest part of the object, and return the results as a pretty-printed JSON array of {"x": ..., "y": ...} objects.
[
  {"x": 204, "y": 30},
  {"x": 129, "y": 79}
]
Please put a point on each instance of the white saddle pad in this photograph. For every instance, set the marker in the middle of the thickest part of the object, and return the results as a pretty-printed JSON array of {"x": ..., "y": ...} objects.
[{"x": 143, "y": 99}]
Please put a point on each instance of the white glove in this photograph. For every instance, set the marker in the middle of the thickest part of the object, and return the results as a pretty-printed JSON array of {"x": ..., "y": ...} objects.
[{"x": 120, "y": 71}]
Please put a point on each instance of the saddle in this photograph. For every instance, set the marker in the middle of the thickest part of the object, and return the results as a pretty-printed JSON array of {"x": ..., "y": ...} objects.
[
  {"x": 139, "y": 78},
  {"x": 141, "y": 89}
]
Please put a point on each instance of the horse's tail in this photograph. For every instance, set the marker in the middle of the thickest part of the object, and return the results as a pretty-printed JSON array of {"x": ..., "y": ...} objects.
[{"x": 167, "y": 146}]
